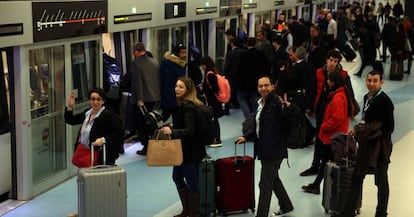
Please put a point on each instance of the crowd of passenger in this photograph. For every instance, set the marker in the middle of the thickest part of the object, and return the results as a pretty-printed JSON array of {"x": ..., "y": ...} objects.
[{"x": 291, "y": 67}]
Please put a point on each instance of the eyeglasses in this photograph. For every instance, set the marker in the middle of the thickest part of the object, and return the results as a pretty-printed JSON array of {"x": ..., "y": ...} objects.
[{"x": 95, "y": 99}]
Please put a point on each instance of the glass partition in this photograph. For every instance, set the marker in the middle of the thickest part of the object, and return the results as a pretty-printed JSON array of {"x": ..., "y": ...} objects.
[
  {"x": 159, "y": 43},
  {"x": 4, "y": 94},
  {"x": 47, "y": 86}
]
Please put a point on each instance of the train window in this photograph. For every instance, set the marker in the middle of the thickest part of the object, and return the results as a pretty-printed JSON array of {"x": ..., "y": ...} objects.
[
  {"x": 4, "y": 94},
  {"x": 85, "y": 68}
]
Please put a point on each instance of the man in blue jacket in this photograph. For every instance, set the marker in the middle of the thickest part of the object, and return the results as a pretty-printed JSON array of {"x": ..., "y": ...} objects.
[{"x": 269, "y": 134}]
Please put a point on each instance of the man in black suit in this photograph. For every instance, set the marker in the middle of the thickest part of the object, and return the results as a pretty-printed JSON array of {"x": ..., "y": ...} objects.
[
  {"x": 279, "y": 55},
  {"x": 305, "y": 85},
  {"x": 388, "y": 37},
  {"x": 253, "y": 65},
  {"x": 232, "y": 69}
]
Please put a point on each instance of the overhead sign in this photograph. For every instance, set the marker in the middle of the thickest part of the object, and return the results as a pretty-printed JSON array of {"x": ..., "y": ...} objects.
[
  {"x": 57, "y": 20},
  {"x": 175, "y": 10}
]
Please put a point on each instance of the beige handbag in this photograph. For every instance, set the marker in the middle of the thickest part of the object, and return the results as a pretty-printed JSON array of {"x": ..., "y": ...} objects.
[{"x": 164, "y": 152}]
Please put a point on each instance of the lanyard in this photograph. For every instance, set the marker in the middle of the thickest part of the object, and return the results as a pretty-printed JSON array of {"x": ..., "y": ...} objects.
[{"x": 368, "y": 104}]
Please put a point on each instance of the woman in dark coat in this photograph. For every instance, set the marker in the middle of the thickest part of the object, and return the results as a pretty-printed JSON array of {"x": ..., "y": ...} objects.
[
  {"x": 99, "y": 126},
  {"x": 185, "y": 176}
]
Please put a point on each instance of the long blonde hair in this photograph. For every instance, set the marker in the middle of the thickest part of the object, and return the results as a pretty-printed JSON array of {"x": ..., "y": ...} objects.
[{"x": 191, "y": 93}]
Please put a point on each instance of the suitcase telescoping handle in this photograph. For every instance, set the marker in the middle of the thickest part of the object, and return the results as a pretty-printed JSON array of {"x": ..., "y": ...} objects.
[
  {"x": 104, "y": 154},
  {"x": 143, "y": 110},
  {"x": 235, "y": 153}
]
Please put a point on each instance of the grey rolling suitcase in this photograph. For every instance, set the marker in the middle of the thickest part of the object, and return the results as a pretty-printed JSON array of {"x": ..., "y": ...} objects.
[
  {"x": 207, "y": 185},
  {"x": 102, "y": 191}
]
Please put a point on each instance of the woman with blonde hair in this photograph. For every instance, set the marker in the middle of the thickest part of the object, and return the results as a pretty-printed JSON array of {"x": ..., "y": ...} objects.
[{"x": 185, "y": 176}]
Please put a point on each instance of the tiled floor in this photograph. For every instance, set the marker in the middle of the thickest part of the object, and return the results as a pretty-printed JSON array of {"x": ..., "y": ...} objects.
[{"x": 151, "y": 191}]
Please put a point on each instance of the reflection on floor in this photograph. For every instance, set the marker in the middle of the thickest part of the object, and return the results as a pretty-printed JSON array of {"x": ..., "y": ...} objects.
[{"x": 151, "y": 191}]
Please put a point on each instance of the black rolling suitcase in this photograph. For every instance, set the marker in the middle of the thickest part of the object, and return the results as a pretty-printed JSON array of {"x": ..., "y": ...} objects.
[
  {"x": 336, "y": 186},
  {"x": 207, "y": 183},
  {"x": 396, "y": 72},
  {"x": 338, "y": 177},
  {"x": 347, "y": 52}
]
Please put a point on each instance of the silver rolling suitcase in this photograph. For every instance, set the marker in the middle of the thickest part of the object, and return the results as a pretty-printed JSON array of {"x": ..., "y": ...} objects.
[{"x": 102, "y": 191}]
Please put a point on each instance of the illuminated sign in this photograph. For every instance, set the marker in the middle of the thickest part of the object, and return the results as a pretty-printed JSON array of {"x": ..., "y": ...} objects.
[
  {"x": 57, "y": 20},
  {"x": 206, "y": 10},
  {"x": 11, "y": 29},
  {"x": 130, "y": 18}
]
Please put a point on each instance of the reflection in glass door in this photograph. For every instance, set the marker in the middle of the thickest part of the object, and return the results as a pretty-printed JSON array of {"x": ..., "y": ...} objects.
[
  {"x": 163, "y": 40},
  {"x": 47, "y": 86},
  {"x": 221, "y": 46},
  {"x": 159, "y": 43},
  {"x": 85, "y": 68}
]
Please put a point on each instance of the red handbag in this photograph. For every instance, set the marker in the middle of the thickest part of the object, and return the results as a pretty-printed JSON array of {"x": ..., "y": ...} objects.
[{"x": 83, "y": 157}]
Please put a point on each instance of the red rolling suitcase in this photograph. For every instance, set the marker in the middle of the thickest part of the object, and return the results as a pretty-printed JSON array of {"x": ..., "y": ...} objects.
[{"x": 235, "y": 183}]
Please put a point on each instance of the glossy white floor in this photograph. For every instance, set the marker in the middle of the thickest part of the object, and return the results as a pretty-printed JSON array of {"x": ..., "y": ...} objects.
[{"x": 151, "y": 192}]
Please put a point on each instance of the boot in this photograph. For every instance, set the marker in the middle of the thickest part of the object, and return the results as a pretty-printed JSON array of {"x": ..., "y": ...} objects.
[
  {"x": 183, "y": 192},
  {"x": 194, "y": 203}
]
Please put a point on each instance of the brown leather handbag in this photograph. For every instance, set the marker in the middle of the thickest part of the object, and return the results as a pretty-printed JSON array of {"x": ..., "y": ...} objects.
[{"x": 164, "y": 152}]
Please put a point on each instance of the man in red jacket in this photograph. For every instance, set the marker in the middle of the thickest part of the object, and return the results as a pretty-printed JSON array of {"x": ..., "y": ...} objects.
[{"x": 332, "y": 65}]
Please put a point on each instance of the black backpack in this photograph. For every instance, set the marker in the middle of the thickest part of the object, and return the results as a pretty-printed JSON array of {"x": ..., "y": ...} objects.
[
  {"x": 205, "y": 125},
  {"x": 112, "y": 76}
]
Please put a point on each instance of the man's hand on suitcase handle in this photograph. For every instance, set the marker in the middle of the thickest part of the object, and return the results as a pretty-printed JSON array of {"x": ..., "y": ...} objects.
[{"x": 240, "y": 140}]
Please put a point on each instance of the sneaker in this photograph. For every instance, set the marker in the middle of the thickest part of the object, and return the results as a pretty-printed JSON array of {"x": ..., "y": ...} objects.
[
  {"x": 215, "y": 145},
  {"x": 310, "y": 172},
  {"x": 311, "y": 188},
  {"x": 281, "y": 212}
]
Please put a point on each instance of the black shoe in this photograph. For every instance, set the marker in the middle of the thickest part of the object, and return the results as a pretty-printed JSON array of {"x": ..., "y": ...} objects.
[
  {"x": 281, "y": 212},
  {"x": 358, "y": 74},
  {"x": 407, "y": 72},
  {"x": 310, "y": 172},
  {"x": 311, "y": 188},
  {"x": 142, "y": 152}
]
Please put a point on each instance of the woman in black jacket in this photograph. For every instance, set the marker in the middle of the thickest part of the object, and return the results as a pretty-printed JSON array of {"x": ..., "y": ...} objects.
[
  {"x": 210, "y": 89},
  {"x": 185, "y": 176},
  {"x": 99, "y": 126}
]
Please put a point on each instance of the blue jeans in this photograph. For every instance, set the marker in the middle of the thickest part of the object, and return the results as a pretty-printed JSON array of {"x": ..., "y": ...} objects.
[
  {"x": 247, "y": 101},
  {"x": 186, "y": 176}
]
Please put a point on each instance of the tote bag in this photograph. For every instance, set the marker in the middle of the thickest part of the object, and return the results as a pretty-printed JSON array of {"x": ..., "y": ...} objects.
[
  {"x": 83, "y": 157},
  {"x": 164, "y": 152}
]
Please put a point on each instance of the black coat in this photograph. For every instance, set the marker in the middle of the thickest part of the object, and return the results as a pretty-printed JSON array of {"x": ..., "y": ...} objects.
[
  {"x": 106, "y": 125},
  {"x": 270, "y": 144},
  {"x": 253, "y": 64},
  {"x": 184, "y": 122},
  {"x": 381, "y": 110}
]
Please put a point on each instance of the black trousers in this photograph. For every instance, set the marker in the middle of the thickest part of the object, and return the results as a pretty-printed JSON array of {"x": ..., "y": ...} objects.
[
  {"x": 381, "y": 181},
  {"x": 270, "y": 181},
  {"x": 144, "y": 132}
]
